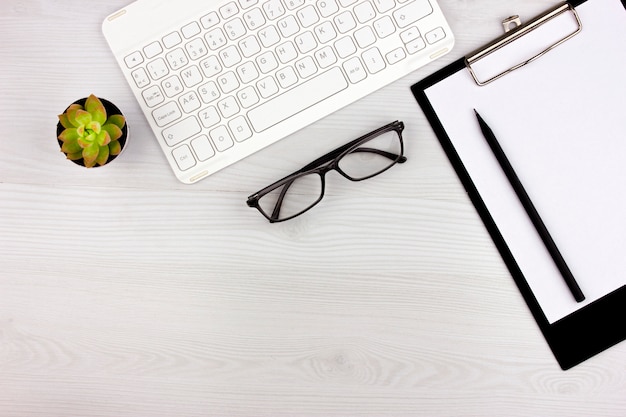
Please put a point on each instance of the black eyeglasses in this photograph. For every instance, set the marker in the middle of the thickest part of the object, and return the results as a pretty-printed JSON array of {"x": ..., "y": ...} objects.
[{"x": 363, "y": 158}]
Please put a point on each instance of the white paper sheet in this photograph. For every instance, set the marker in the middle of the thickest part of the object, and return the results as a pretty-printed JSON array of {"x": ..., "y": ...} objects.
[{"x": 561, "y": 121}]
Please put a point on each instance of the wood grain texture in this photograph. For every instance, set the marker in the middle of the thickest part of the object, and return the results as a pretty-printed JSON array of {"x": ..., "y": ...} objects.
[{"x": 126, "y": 293}]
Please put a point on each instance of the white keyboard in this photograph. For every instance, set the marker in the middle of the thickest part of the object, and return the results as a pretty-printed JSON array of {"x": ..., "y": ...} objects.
[{"x": 221, "y": 80}]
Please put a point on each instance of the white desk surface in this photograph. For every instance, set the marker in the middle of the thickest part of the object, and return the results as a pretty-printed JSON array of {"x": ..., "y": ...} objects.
[{"x": 126, "y": 293}]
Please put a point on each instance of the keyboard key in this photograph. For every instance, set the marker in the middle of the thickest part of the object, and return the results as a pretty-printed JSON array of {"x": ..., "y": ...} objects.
[
  {"x": 306, "y": 67},
  {"x": 254, "y": 19},
  {"x": 176, "y": 59},
  {"x": 305, "y": 42},
  {"x": 293, "y": 4},
  {"x": 297, "y": 99},
  {"x": 209, "y": 20},
  {"x": 247, "y": 72},
  {"x": 190, "y": 30},
  {"x": 209, "y": 92},
  {"x": 325, "y": 32},
  {"x": 209, "y": 117},
  {"x": 249, "y": 46},
  {"x": 189, "y": 102},
  {"x": 133, "y": 59},
  {"x": 327, "y": 7},
  {"x": 166, "y": 114},
  {"x": 354, "y": 69},
  {"x": 172, "y": 86},
  {"x": 415, "y": 45},
  {"x": 412, "y": 12},
  {"x": 152, "y": 50},
  {"x": 239, "y": 127},
  {"x": 171, "y": 40},
  {"x": 141, "y": 77},
  {"x": 288, "y": 26},
  {"x": 395, "y": 56},
  {"x": 345, "y": 47},
  {"x": 273, "y": 9},
  {"x": 373, "y": 60},
  {"x": 345, "y": 22},
  {"x": 196, "y": 49},
  {"x": 267, "y": 87},
  {"x": 435, "y": 35},
  {"x": 364, "y": 12},
  {"x": 221, "y": 138},
  {"x": 409, "y": 34},
  {"x": 235, "y": 29},
  {"x": 267, "y": 62},
  {"x": 202, "y": 147},
  {"x": 384, "y": 5},
  {"x": 286, "y": 77},
  {"x": 228, "y": 10},
  {"x": 228, "y": 107},
  {"x": 157, "y": 69},
  {"x": 153, "y": 96},
  {"x": 230, "y": 56},
  {"x": 308, "y": 16},
  {"x": 245, "y": 4},
  {"x": 215, "y": 39},
  {"x": 184, "y": 158},
  {"x": 182, "y": 130},
  {"x": 286, "y": 52},
  {"x": 364, "y": 37},
  {"x": 248, "y": 97},
  {"x": 384, "y": 27},
  {"x": 228, "y": 82},
  {"x": 269, "y": 36},
  {"x": 325, "y": 57},
  {"x": 211, "y": 66},
  {"x": 191, "y": 76}
]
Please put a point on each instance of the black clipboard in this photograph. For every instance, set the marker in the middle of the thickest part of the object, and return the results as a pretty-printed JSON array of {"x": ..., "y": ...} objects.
[{"x": 596, "y": 326}]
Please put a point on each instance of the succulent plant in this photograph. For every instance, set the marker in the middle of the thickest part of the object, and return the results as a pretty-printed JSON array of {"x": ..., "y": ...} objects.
[{"x": 89, "y": 134}]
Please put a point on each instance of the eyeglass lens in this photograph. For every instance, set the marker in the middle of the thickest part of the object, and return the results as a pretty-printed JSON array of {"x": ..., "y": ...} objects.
[
  {"x": 372, "y": 157},
  {"x": 304, "y": 191}
]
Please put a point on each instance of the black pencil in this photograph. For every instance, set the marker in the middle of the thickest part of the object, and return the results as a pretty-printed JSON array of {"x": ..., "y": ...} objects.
[{"x": 530, "y": 209}]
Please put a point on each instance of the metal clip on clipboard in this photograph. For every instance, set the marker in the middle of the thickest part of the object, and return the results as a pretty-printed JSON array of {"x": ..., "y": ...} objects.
[{"x": 516, "y": 32}]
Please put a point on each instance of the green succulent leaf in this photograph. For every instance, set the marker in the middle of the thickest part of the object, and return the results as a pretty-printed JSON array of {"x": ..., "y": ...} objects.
[
  {"x": 75, "y": 156},
  {"x": 114, "y": 131},
  {"x": 115, "y": 147},
  {"x": 71, "y": 114},
  {"x": 71, "y": 146},
  {"x": 64, "y": 121},
  {"x": 118, "y": 120},
  {"x": 90, "y": 154},
  {"x": 95, "y": 107},
  {"x": 82, "y": 117},
  {"x": 103, "y": 155},
  {"x": 103, "y": 138},
  {"x": 69, "y": 133}
]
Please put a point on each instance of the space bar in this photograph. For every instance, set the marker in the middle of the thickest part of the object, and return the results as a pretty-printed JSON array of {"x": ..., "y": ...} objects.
[{"x": 298, "y": 99}]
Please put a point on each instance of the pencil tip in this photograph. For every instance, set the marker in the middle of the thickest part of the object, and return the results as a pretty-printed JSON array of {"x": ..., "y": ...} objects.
[{"x": 475, "y": 112}]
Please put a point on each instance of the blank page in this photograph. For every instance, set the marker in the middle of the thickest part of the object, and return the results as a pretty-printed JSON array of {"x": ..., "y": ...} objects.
[{"x": 560, "y": 120}]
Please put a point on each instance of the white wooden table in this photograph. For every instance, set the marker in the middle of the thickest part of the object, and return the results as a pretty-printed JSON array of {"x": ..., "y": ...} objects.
[{"x": 126, "y": 293}]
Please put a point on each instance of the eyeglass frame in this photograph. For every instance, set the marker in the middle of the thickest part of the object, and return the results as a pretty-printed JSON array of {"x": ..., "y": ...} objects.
[{"x": 324, "y": 164}]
